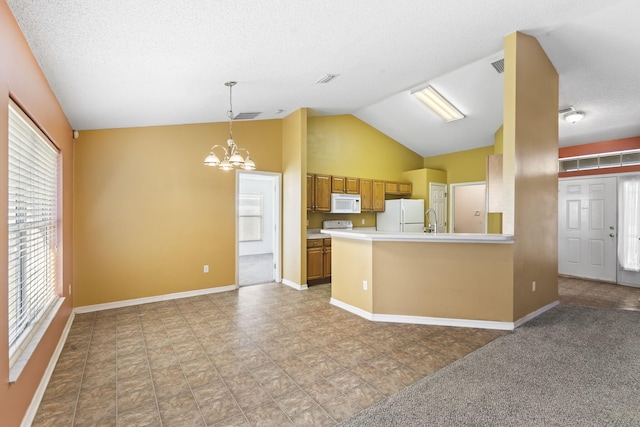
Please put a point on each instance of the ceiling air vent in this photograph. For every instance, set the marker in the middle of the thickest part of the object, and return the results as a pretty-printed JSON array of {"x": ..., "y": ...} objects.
[
  {"x": 246, "y": 116},
  {"x": 327, "y": 78},
  {"x": 566, "y": 110},
  {"x": 499, "y": 65}
]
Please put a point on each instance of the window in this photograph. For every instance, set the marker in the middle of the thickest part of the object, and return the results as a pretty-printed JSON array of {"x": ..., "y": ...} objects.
[
  {"x": 250, "y": 217},
  {"x": 597, "y": 161},
  {"x": 32, "y": 230}
]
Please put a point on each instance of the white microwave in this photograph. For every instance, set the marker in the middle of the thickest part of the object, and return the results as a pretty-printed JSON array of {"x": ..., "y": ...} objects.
[{"x": 345, "y": 203}]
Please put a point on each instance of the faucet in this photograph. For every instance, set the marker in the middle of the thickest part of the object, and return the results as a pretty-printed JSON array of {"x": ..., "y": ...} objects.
[{"x": 431, "y": 228}]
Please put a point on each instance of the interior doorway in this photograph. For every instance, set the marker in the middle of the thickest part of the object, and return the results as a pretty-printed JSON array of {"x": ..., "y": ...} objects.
[
  {"x": 468, "y": 208},
  {"x": 258, "y": 228}
]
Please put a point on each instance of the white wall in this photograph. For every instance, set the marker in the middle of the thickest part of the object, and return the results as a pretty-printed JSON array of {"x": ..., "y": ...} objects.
[{"x": 259, "y": 185}]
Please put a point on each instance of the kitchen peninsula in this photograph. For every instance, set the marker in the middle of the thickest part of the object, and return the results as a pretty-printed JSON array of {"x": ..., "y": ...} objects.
[{"x": 452, "y": 279}]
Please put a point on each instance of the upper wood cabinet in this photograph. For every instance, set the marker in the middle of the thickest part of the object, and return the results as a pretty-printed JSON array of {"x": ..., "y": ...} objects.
[
  {"x": 311, "y": 194},
  {"x": 398, "y": 188},
  {"x": 494, "y": 182},
  {"x": 318, "y": 193},
  {"x": 371, "y": 195},
  {"x": 366, "y": 195},
  {"x": 341, "y": 184},
  {"x": 378, "y": 196}
]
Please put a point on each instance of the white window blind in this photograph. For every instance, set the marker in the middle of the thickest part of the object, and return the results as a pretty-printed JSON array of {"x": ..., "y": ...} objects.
[{"x": 32, "y": 227}]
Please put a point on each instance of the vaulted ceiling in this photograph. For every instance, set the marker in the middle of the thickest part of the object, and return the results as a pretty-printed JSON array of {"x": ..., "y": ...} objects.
[{"x": 158, "y": 62}]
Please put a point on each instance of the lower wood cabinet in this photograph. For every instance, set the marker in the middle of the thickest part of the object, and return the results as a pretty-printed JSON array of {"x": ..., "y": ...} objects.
[{"x": 318, "y": 259}]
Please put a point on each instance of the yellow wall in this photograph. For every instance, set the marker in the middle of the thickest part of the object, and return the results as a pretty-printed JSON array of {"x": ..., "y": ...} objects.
[
  {"x": 425, "y": 279},
  {"x": 23, "y": 81},
  {"x": 420, "y": 179},
  {"x": 462, "y": 166},
  {"x": 346, "y": 146},
  {"x": 351, "y": 263},
  {"x": 294, "y": 203},
  {"x": 149, "y": 215},
  {"x": 530, "y": 180}
]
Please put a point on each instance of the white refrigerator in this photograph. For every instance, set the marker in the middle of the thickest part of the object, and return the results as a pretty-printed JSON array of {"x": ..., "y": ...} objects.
[{"x": 403, "y": 215}]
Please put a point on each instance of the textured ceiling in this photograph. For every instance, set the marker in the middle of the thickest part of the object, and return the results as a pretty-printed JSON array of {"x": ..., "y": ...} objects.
[{"x": 127, "y": 63}]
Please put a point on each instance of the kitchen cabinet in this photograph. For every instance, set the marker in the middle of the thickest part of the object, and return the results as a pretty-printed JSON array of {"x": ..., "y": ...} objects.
[
  {"x": 398, "y": 188},
  {"x": 378, "y": 196},
  {"x": 341, "y": 184},
  {"x": 310, "y": 192},
  {"x": 327, "y": 258},
  {"x": 318, "y": 259},
  {"x": 371, "y": 195},
  {"x": 318, "y": 193}
]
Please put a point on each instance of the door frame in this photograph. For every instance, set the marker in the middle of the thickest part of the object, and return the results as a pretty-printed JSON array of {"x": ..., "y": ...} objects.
[
  {"x": 276, "y": 179},
  {"x": 452, "y": 196},
  {"x": 616, "y": 176}
]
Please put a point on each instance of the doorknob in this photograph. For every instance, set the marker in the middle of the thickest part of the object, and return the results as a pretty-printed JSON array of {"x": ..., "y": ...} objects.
[{"x": 612, "y": 235}]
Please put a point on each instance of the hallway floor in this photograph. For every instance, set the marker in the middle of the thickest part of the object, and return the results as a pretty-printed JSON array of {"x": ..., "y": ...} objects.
[
  {"x": 588, "y": 293},
  {"x": 263, "y": 355}
]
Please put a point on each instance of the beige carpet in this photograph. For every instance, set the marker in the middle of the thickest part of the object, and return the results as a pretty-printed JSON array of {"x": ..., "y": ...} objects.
[{"x": 571, "y": 366}]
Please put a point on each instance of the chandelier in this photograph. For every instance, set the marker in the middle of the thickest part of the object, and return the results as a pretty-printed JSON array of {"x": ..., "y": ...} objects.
[{"x": 232, "y": 158}]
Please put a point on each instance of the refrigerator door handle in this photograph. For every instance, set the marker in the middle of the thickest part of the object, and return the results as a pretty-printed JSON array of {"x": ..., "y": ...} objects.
[{"x": 401, "y": 214}]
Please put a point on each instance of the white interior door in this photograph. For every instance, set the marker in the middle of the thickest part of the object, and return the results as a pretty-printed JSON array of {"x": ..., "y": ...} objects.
[
  {"x": 469, "y": 212},
  {"x": 438, "y": 201},
  {"x": 587, "y": 228}
]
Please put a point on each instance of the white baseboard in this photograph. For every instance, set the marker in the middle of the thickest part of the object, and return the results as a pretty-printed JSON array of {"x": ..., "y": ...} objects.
[
  {"x": 535, "y": 314},
  {"x": 146, "y": 300},
  {"x": 44, "y": 382},
  {"x": 351, "y": 309},
  {"x": 294, "y": 285},
  {"x": 423, "y": 320}
]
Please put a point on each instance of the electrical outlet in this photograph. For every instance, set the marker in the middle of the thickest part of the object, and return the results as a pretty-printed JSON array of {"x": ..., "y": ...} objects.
[
  {"x": 206, "y": 268},
  {"x": 533, "y": 286},
  {"x": 362, "y": 221},
  {"x": 307, "y": 223},
  {"x": 365, "y": 285}
]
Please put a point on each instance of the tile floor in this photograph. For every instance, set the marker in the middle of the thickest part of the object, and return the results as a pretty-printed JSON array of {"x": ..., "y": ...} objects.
[
  {"x": 265, "y": 355},
  {"x": 575, "y": 291}
]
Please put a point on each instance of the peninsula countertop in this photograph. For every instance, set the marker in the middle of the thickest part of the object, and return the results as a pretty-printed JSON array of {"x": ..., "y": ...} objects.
[{"x": 374, "y": 235}]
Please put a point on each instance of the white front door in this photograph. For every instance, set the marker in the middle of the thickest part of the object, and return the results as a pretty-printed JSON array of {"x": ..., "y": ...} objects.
[
  {"x": 587, "y": 228},
  {"x": 438, "y": 201}
]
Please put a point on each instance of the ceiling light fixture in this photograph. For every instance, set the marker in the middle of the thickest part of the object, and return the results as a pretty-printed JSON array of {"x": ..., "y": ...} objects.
[
  {"x": 438, "y": 104},
  {"x": 232, "y": 158},
  {"x": 574, "y": 116}
]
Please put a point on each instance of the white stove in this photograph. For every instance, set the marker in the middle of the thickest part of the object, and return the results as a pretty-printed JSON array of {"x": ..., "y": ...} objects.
[{"x": 338, "y": 224}]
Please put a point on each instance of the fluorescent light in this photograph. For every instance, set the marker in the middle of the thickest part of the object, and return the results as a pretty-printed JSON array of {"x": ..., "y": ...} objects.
[{"x": 438, "y": 104}]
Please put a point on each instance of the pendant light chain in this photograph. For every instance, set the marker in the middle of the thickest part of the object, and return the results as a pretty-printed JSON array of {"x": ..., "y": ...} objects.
[
  {"x": 232, "y": 158},
  {"x": 230, "y": 112}
]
